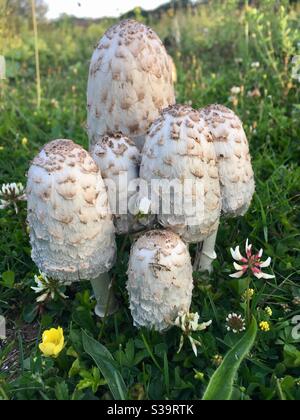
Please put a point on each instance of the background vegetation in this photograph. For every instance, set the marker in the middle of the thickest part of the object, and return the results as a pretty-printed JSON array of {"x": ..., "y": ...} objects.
[{"x": 217, "y": 46}]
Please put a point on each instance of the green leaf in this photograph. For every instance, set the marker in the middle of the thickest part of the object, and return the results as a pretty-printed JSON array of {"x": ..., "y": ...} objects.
[
  {"x": 75, "y": 369},
  {"x": 107, "y": 365},
  {"x": 166, "y": 373},
  {"x": 75, "y": 338},
  {"x": 8, "y": 279},
  {"x": 30, "y": 313},
  {"x": 62, "y": 392},
  {"x": 220, "y": 387},
  {"x": 72, "y": 353},
  {"x": 291, "y": 356},
  {"x": 140, "y": 356},
  {"x": 239, "y": 286},
  {"x": 287, "y": 385},
  {"x": 130, "y": 352},
  {"x": 83, "y": 318},
  {"x": 90, "y": 380}
]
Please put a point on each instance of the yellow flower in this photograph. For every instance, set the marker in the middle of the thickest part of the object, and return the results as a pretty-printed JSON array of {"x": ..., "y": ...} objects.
[
  {"x": 217, "y": 359},
  {"x": 268, "y": 311},
  {"x": 264, "y": 326},
  {"x": 24, "y": 141},
  {"x": 248, "y": 294},
  {"x": 199, "y": 376},
  {"x": 53, "y": 342}
]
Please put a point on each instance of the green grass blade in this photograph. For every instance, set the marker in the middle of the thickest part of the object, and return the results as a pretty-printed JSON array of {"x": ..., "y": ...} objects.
[
  {"x": 167, "y": 374},
  {"x": 107, "y": 365},
  {"x": 220, "y": 387},
  {"x": 151, "y": 353}
]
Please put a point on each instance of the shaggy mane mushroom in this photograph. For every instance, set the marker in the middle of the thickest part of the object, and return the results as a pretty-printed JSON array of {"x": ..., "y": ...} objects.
[
  {"x": 71, "y": 229},
  {"x": 160, "y": 280},
  {"x": 130, "y": 82},
  {"x": 179, "y": 149},
  {"x": 119, "y": 161},
  {"x": 234, "y": 167}
]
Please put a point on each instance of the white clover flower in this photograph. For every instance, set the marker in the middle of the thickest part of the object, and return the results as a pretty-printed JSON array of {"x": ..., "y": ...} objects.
[
  {"x": 296, "y": 301},
  {"x": 10, "y": 194},
  {"x": 235, "y": 90},
  {"x": 269, "y": 311},
  {"x": 239, "y": 60},
  {"x": 48, "y": 287},
  {"x": 251, "y": 263},
  {"x": 54, "y": 103},
  {"x": 194, "y": 321},
  {"x": 255, "y": 65},
  {"x": 188, "y": 323},
  {"x": 235, "y": 323}
]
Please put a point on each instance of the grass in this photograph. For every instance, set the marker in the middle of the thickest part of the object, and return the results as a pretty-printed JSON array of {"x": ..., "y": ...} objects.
[{"x": 218, "y": 47}]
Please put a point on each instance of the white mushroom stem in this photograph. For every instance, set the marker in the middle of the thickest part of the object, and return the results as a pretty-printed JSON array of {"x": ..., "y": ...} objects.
[
  {"x": 106, "y": 301},
  {"x": 205, "y": 254}
]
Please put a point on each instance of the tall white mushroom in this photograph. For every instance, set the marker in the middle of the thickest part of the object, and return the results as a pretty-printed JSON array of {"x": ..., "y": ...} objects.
[
  {"x": 160, "y": 281},
  {"x": 179, "y": 156},
  {"x": 71, "y": 229},
  {"x": 130, "y": 82},
  {"x": 119, "y": 161},
  {"x": 234, "y": 167}
]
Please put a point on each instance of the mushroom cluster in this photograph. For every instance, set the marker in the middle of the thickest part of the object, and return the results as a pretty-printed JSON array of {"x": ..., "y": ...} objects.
[{"x": 161, "y": 172}]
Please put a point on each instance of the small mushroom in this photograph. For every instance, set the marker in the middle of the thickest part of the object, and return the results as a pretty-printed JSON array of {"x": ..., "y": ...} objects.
[
  {"x": 71, "y": 229},
  {"x": 234, "y": 167},
  {"x": 160, "y": 280},
  {"x": 130, "y": 82},
  {"x": 119, "y": 161},
  {"x": 179, "y": 156}
]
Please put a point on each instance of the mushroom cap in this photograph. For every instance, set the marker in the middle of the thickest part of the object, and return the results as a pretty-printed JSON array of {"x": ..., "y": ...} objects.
[
  {"x": 71, "y": 229},
  {"x": 160, "y": 279},
  {"x": 179, "y": 148},
  {"x": 233, "y": 159},
  {"x": 130, "y": 82},
  {"x": 119, "y": 161}
]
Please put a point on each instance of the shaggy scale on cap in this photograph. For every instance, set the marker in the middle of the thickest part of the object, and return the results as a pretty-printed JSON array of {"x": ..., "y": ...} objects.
[
  {"x": 130, "y": 82},
  {"x": 179, "y": 147},
  {"x": 233, "y": 159},
  {"x": 71, "y": 228},
  {"x": 160, "y": 280}
]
